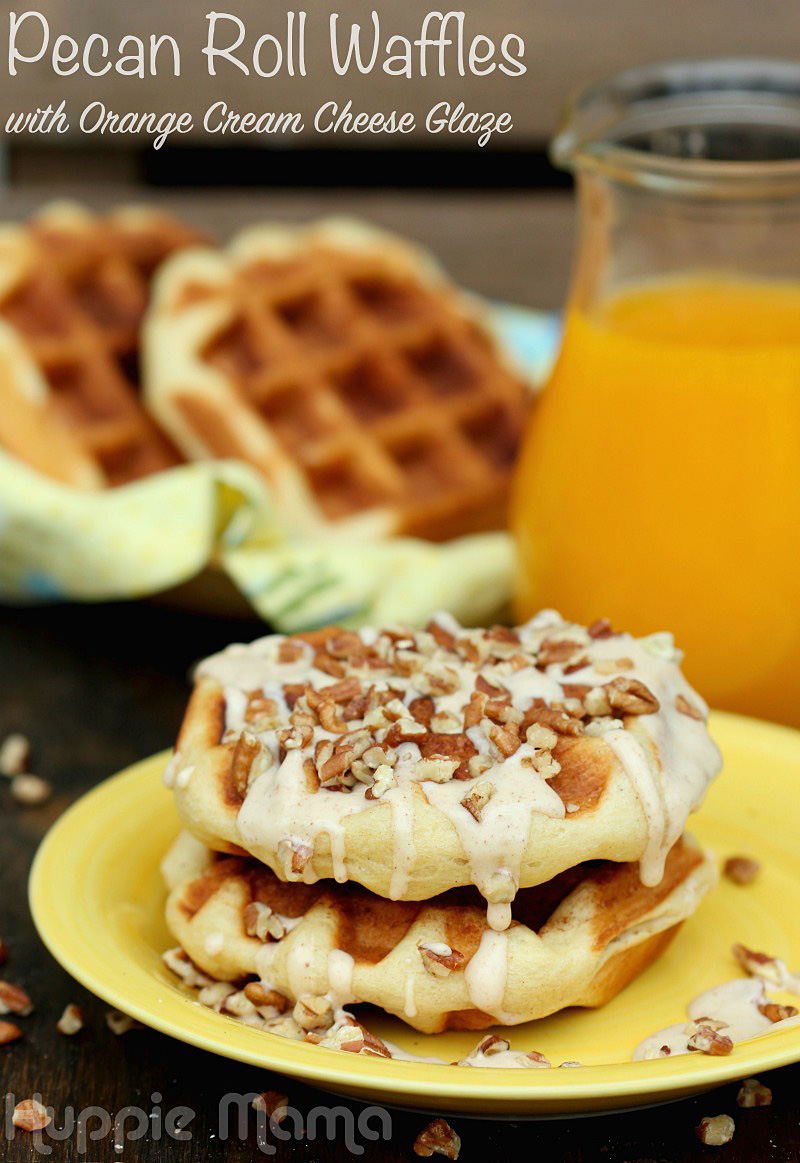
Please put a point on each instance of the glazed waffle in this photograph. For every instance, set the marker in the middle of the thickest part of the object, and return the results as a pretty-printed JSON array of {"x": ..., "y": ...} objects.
[
  {"x": 577, "y": 940},
  {"x": 418, "y": 761},
  {"x": 343, "y": 366},
  {"x": 73, "y": 290}
]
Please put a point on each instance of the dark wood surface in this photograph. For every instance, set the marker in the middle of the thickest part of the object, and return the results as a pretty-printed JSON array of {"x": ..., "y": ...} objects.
[{"x": 96, "y": 688}]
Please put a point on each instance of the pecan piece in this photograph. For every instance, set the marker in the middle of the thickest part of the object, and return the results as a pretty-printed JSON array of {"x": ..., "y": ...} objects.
[
  {"x": 753, "y": 1093},
  {"x": 477, "y": 799},
  {"x": 15, "y": 751},
  {"x": 438, "y": 1138},
  {"x": 443, "y": 637},
  {"x": 776, "y": 1012},
  {"x": 601, "y": 628},
  {"x": 71, "y": 1021},
  {"x": 14, "y": 1000},
  {"x": 261, "y": 922},
  {"x": 686, "y": 708},
  {"x": 711, "y": 1042},
  {"x": 262, "y": 997},
  {"x": 313, "y": 1013},
  {"x": 741, "y": 869},
  {"x": 631, "y": 697},
  {"x": 716, "y": 1131},
  {"x": 439, "y": 959},
  {"x": 294, "y": 855},
  {"x": 30, "y": 790},
  {"x": 758, "y": 964},
  {"x": 553, "y": 650},
  {"x": 9, "y": 1033},
  {"x": 31, "y": 1115},
  {"x": 273, "y": 1104},
  {"x": 245, "y": 753}
]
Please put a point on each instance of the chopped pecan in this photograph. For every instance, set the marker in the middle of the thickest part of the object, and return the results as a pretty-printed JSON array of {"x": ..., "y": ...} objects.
[
  {"x": 485, "y": 687},
  {"x": 753, "y": 1093},
  {"x": 261, "y": 712},
  {"x": 345, "y": 645},
  {"x": 294, "y": 855},
  {"x": 292, "y": 691},
  {"x": 31, "y": 1115},
  {"x": 14, "y": 1000},
  {"x": 601, "y": 628},
  {"x": 261, "y": 922},
  {"x": 557, "y": 720},
  {"x": 71, "y": 1021},
  {"x": 504, "y": 740},
  {"x": 443, "y": 637},
  {"x": 342, "y": 692},
  {"x": 273, "y": 1104},
  {"x": 313, "y": 1013},
  {"x": 716, "y": 1131},
  {"x": 422, "y": 709},
  {"x": 245, "y": 753},
  {"x": 741, "y": 869},
  {"x": 290, "y": 650},
  {"x": 384, "y": 780},
  {"x": 776, "y": 1012},
  {"x": 491, "y": 1044},
  {"x": 578, "y": 664},
  {"x": 30, "y": 790},
  {"x": 438, "y": 1138},
  {"x": 686, "y": 708},
  {"x": 631, "y": 697},
  {"x": 758, "y": 964},
  {"x": 554, "y": 650},
  {"x": 9, "y": 1033},
  {"x": 477, "y": 799},
  {"x": 439, "y": 959},
  {"x": 260, "y": 995},
  {"x": 474, "y": 710},
  {"x": 15, "y": 752},
  {"x": 119, "y": 1023},
  {"x": 710, "y": 1041},
  {"x": 329, "y": 717},
  {"x": 329, "y": 665}
]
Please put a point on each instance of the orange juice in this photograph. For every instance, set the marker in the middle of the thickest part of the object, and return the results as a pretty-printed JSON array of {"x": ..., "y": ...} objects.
[{"x": 659, "y": 484}]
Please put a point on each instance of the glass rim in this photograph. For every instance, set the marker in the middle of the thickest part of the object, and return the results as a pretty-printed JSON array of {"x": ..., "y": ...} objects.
[{"x": 713, "y": 90}]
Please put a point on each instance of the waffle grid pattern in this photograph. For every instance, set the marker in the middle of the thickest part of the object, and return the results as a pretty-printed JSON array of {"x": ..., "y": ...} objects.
[
  {"x": 78, "y": 309},
  {"x": 378, "y": 388}
]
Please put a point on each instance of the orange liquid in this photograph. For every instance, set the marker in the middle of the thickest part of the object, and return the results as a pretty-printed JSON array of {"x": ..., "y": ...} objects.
[{"x": 659, "y": 484}]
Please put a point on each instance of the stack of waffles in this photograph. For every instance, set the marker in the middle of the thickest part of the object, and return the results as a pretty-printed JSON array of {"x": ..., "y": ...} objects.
[
  {"x": 336, "y": 360},
  {"x": 463, "y": 828}
]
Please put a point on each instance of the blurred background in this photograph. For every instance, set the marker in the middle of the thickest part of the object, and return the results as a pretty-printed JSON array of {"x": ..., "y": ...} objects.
[{"x": 567, "y": 46}]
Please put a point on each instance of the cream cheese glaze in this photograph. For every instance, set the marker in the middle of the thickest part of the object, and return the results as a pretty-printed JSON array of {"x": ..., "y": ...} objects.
[
  {"x": 734, "y": 1003},
  {"x": 668, "y": 756}
]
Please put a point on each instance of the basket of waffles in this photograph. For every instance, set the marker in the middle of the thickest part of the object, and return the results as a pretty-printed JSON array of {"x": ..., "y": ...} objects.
[
  {"x": 338, "y": 361},
  {"x": 461, "y": 828}
]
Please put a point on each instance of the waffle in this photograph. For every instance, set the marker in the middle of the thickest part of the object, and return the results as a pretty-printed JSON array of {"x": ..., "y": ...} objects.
[
  {"x": 73, "y": 290},
  {"x": 417, "y": 762},
  {"x": 575, "y": 941},
  {"x": 342, "y": 364}
]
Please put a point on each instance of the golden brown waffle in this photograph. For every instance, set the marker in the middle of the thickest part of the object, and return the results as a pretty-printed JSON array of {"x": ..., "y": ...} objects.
[
  {"x": 344, "y": 366},
  {"x": 414, "y": 762},
  {"x": 73, "y": 290},
  {"x": 577, "y": 940}
]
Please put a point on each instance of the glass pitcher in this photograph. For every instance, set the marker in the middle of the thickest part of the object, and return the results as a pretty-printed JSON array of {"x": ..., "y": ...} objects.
[{"x": 659, "y": 483}]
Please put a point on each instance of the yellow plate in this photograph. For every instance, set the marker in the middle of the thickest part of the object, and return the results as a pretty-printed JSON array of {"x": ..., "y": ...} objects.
[{"x": 97, "y": 900}]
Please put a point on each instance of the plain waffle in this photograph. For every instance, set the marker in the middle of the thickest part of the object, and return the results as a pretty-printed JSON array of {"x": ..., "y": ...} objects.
[
  {"x": 577, "y": 940},
  {"x": 73, "y": 290},
  {"x": 344, "y": 366}
]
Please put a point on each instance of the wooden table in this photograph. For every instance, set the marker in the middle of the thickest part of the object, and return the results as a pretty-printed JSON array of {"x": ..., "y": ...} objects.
[{"x": 96, "y": 688}]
